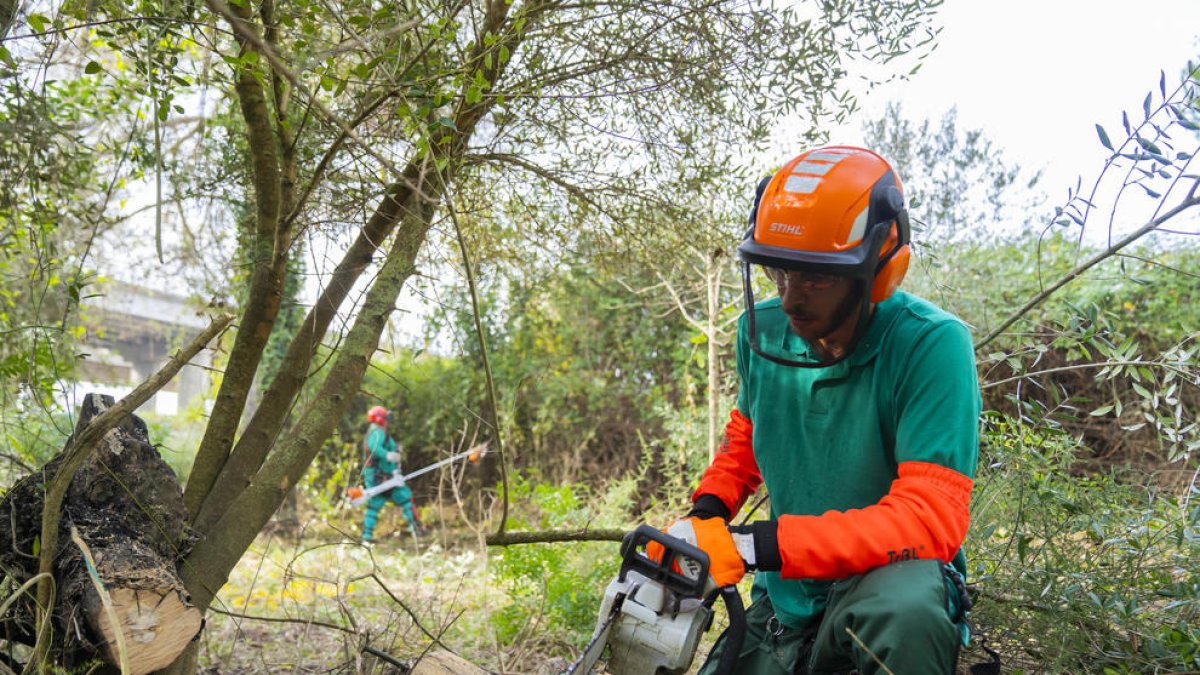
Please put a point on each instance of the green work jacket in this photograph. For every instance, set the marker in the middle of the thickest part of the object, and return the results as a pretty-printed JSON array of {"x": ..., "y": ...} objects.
[{"x": 833, "y": 438}]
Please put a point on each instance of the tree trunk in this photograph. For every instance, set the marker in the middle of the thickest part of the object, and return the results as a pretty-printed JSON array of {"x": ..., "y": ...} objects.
[{"x": 123, "y": 528}]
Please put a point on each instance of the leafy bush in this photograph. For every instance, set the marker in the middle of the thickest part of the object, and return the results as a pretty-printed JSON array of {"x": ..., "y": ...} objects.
[
  {"x": 1092, "y": 573},
  {"x": 554, "y": 589}
]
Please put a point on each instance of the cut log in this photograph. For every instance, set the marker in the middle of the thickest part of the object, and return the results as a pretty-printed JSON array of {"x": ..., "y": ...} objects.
[
  {"x": 126, "y": 507},
  {"x": 442, "y": 662},
  {"x": 157, "y": 624}
]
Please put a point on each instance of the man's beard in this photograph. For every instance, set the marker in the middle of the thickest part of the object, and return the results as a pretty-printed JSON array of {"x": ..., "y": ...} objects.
[{"x": 849, "y": 305}]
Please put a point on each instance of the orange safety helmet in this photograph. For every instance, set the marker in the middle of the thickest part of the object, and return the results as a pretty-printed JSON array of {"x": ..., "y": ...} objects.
[
  {"x": 833, "y": 210},
  {"x": 378, "y": 415}
]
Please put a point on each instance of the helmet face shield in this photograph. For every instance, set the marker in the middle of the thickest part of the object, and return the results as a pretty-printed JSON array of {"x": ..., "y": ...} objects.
[{"x": 790, "y": 313}]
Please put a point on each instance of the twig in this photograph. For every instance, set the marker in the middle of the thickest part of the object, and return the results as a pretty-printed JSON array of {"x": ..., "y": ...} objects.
[
  {"x": 868, "y": 651},
  {"x": 110, "y": 612},
  {"x": 411, "y": 614},
  {"x": 1168, "y": 365},
  {"x": 385, "y": 656},
  {"x": 23, "y": 589},
  {"x": 483, "y": 354},
  {"x": 282, "y": 619}
]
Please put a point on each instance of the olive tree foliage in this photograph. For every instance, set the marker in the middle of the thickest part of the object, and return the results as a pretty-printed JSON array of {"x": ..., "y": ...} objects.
[
  {"x": 359, "y": 124},
  {"x": 1035, "y": 292},
  {"x": 63, "y": 159},
  {"x": 1083, "y": 520},
  {"x": 1122, "y": 228}
]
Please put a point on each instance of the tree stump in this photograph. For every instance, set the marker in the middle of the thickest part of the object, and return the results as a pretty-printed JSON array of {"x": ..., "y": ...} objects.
[{"x": 126, "y": 506}]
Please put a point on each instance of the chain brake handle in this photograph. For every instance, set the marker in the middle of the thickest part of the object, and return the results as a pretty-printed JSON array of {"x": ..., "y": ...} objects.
[{"x": 634, "y": 557}]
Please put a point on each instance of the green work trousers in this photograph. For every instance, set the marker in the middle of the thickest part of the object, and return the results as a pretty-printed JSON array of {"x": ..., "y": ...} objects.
[
  {"x": 902, "y": 614},
  {"x": 402, "y": 496}
]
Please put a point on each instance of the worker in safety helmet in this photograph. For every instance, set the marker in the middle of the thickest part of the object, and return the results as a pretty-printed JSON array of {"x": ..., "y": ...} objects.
[
  {"x": 382, "y": 460},
  {"x": 858, "y": 409}
]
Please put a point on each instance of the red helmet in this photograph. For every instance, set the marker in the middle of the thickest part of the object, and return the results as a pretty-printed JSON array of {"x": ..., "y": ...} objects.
[
  {"x": 378, "y": 415},
  {"x": 834, "y": 210}
]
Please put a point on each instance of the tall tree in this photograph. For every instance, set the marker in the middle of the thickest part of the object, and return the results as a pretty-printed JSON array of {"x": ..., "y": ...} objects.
[{"x": 369, "y": 117}]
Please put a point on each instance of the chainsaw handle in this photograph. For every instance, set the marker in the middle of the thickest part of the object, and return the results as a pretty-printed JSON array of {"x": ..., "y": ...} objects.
[
  {"x": 736, "y": 633},
  {"x": 682, "y": 569}
]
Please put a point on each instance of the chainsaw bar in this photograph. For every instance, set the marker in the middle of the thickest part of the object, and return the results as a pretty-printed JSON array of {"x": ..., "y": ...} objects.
[{"x": 591, "y": 653}]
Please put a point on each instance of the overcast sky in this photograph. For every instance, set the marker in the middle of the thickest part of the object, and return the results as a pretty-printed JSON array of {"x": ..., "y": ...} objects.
[{"x": 1037, "y": 75}]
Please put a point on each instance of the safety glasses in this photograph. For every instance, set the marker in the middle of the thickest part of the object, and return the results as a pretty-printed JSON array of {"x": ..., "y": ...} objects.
[{"x": 808, "y": 281}]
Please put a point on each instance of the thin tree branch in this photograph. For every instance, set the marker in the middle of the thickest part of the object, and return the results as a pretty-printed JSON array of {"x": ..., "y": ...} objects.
[
  {"x": 1190, "y": 201},
  {"x": 1167, "y": 365},
  {"x": 515, "y": 538},
  {"x": 493, "y": 407}
]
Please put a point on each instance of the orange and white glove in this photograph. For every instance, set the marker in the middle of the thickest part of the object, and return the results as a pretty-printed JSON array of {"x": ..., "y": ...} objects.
[{"x": 711, "y": 535}]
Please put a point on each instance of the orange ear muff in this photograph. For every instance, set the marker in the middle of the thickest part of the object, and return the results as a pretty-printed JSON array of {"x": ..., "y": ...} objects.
[{"x": 888, "y": 277}]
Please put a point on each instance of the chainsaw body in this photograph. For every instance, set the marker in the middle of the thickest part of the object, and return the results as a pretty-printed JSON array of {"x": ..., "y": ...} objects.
[
  {"x": 656, "y": 631},
  {"x": 655, "y": 611}
]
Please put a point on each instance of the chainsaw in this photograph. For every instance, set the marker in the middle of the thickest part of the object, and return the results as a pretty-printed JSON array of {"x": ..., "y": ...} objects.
[
  {"x": 655, "y": 611},
  {"x": 359, "y": 496}
]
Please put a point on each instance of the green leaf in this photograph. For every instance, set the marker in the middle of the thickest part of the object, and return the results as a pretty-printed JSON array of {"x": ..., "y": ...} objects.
[
  {"x": 1102, "y": 410},
  {"x": 1153, "y": 194},
  {"x": 1149, "y": 145},
  {"x": 38, "y": 23},
  {"x": 447, "y": 122},
  {"x": 1104, "y": 137},
  {"x": 1146, "y": 105},
  {"x": 92, "y": 68},
  {"x": 474, "y": 94},
  {"x": 1188, "y": 124}
]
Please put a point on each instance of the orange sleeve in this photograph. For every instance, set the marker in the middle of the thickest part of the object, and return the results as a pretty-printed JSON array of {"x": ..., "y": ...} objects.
[
  {"x": 733, "y": 475},
  {"x": 925, "y": 514}
]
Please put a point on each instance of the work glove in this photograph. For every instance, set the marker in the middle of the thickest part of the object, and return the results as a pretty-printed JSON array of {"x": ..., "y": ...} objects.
[
  {"x": 711, "y": 535},
  {"x": 757, "y": 543},
  {"x": 393, "y": 457}
]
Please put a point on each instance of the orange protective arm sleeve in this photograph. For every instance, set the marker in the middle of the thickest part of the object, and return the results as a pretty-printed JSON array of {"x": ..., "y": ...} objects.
[
  {"x": 733, "y": 475},
  {"x": 925, "y": 514}
]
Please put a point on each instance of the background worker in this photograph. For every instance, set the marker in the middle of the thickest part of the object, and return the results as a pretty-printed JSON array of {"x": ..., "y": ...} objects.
[
  {"x": 858, "y": 408},
  {"x": 381, "y": 461}
]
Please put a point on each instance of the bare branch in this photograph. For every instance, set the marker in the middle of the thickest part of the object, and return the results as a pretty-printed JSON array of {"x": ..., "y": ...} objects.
[
  {"x": 1067, "y": 278},
  {"x": 547, "y": 537}
]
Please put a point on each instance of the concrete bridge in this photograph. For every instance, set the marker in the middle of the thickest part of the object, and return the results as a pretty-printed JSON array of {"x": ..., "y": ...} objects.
[{"x": 131, "y": 332}]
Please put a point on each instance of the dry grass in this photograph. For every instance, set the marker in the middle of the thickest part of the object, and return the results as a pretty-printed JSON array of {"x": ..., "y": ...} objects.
[{"x": 316, "y": 606}]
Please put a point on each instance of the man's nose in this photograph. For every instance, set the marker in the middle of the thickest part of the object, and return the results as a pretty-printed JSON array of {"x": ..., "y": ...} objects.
[{"x": 793, "y": 295}]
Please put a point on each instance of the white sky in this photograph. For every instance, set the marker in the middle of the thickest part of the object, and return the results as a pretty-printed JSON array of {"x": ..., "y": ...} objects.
[{"x": 1037, "y": 75}]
